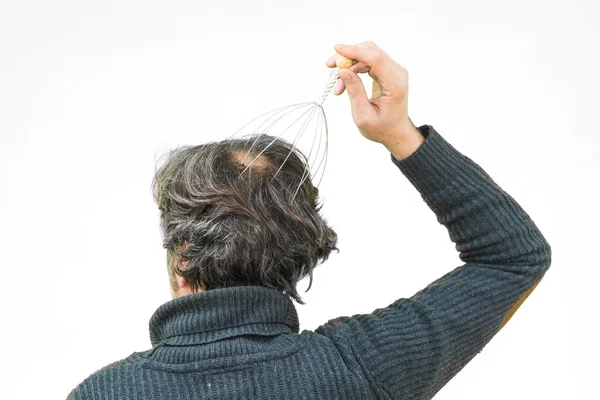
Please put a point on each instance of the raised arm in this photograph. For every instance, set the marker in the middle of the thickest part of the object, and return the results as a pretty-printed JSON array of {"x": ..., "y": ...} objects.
[{"x": 414, "y": 346}]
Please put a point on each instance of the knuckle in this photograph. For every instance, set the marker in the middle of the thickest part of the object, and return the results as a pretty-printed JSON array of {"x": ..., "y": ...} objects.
[
  {"x": 376, "y": 55},
  {"x": 372, "y": 46}
]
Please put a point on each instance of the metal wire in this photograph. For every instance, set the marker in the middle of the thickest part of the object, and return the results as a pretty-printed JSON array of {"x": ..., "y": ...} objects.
[
  {"x": 333, "y": 78},
  {"x": 269, "y": 121}
]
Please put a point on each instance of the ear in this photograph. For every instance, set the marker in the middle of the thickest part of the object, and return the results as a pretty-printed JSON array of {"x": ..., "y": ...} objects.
[{"x": 181, "y": 282}]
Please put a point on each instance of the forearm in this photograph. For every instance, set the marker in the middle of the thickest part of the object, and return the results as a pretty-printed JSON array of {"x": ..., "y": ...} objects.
[{"x": 486, "y": 224}]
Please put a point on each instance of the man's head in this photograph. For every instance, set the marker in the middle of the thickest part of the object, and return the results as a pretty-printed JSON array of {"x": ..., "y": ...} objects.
[{"x": 224, "y": 228}]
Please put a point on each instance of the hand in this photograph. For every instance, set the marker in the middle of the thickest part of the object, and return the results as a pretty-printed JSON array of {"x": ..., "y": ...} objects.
[{"x": 384, "y": 117}]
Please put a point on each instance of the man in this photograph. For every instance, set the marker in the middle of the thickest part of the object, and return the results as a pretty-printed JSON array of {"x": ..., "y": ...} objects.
[{"x": 237, "y": 247}]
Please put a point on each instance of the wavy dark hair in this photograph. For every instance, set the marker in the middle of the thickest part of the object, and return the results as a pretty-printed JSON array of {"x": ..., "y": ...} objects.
[{"x": 236, "y": 222}]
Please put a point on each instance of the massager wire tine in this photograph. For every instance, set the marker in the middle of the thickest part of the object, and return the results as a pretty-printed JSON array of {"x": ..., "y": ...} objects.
[
  {"x": 298, "y": 136},
  {"x": 306, "y": 173},
  {"x": 331, "y": 81},
  {"x": 273, "y": 123},
  {"x": 277, "y": 116},
  {"x": 273, "y": 141},
  {"x": 268, "y": 129},
  {"x": 262, "y": 115},
  {"x": 305, "y": 176},
  {"x": 333, "y": 77},
  {"x": 283, "y": 113},
  {"x": 324, "y": 160},
  {"x": 317, "y": 127}
]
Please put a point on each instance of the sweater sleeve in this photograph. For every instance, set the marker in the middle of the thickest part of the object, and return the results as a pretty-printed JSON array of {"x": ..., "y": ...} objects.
[{"x": 413, "y": 347}]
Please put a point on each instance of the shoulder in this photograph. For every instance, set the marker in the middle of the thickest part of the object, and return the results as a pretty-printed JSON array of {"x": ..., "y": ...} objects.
[{"x": 104, "y": 378}]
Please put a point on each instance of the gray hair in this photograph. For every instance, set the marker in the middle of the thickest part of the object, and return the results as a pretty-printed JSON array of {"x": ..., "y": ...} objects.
[{"x": 238, "y": 226}]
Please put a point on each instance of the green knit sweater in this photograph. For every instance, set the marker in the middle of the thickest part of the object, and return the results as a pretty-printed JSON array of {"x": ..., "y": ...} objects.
[{"x": 245, "y": 342}]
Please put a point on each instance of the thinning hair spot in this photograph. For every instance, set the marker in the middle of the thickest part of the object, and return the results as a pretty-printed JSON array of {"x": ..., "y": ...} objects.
[{"x": 245, "y": 159}]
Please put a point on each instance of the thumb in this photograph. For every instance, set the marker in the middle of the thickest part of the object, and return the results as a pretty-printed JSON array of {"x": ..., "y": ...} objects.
[{"x": 362, "y": 110}]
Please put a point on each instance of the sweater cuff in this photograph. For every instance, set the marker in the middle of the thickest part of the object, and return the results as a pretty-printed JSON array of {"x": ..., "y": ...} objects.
[{"x": 434, "y": 164}]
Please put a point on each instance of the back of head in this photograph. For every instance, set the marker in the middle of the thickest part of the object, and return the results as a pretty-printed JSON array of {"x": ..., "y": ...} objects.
[{"x": 237, "y": 215}]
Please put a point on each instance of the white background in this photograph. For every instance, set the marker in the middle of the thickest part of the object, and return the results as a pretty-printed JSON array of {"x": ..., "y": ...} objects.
[{"x": 91, "y": 93}]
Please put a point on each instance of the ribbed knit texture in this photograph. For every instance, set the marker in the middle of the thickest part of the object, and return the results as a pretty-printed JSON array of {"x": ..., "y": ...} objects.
[{"x": 244, "y": 342}]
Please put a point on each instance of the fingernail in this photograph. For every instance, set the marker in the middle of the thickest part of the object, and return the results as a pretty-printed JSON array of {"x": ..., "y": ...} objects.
[{"x": 340, "y": 46}]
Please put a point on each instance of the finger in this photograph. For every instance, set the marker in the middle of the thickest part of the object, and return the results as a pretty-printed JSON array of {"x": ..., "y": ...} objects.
[
  {"x": 368, "y": 53},
  {"x": 339, "y": 87},
  {"x": 331, "y": 61},
  {"x": 372, "y": 56},
  {"x": 362, "y": 110},
  {"x": 358, "y": 68}
]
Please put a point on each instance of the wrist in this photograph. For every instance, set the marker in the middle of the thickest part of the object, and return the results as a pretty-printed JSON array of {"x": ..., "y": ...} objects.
[{"x": 405, "y": 142}]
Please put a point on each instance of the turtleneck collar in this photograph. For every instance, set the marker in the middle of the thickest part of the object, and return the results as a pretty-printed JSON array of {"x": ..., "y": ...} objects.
[{"x": 217, "y": 314}]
